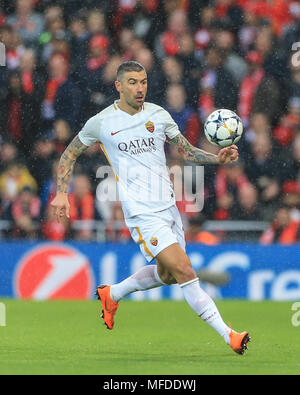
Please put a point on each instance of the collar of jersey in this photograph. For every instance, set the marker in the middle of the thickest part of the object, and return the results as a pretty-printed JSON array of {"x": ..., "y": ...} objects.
[{"x": 117, "y": 108}]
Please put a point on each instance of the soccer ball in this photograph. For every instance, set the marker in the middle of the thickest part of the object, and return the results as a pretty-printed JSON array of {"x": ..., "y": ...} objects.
[{"x": 223, "y": 128}]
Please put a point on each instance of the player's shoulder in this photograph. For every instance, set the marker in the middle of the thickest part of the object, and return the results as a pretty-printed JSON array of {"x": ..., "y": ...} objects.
[
  {"x": 155, "y": 108},
  {"x": 105, "y": 114},
  {"x": 107, "y": 111},
  {"x": 152, "y": 106}
]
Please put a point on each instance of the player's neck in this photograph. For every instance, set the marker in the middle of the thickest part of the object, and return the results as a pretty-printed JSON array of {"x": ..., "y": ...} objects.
[{"x": 127, "y": 108}]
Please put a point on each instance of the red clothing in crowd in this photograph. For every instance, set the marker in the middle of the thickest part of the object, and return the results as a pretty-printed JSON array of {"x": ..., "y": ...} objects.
[
  {"x": 27, "y": 82},
  {"x": 221, "y": 181},
  {"x": 14, "y": 119},
  {"x": 54, "y": 230},
  {"x": 275, "y": 10},
  {"x": 81, "y": 209},
  {"x": 247, "y": 92},
  {"x": 33, "y": 209},
  {"x": 287, "y": 235},
  {"x": 52, "y": 87}
]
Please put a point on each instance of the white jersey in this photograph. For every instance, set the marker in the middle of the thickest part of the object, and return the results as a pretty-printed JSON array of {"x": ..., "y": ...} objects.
[{"x": 134, "y": 147}]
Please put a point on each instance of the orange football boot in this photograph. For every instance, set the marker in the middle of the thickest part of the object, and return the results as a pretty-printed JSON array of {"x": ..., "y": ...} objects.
[
  {"x": 109, "y": 307},
  {"x": 239, "y": 341}
]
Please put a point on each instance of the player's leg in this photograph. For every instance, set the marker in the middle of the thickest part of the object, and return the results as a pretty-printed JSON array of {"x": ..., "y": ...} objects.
[
  {"x": 145, "y": 278},
  {"x": 174, "y": 260}
]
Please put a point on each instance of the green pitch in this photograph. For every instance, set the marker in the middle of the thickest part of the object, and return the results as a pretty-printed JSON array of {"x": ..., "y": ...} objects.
[{"x": 149, "y": 338}]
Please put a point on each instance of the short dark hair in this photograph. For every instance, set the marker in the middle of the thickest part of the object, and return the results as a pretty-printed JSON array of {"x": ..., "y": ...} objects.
[{"x": 128, "y": 66}]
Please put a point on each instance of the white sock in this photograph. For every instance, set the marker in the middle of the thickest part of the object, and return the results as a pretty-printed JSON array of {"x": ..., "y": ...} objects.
[
  {"x": 205, "y": 307},
  {"x": 145, "y": 278}
]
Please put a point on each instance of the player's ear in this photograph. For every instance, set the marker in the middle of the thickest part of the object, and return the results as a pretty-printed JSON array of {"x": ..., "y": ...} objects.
[{"x": 118, "y": 86}]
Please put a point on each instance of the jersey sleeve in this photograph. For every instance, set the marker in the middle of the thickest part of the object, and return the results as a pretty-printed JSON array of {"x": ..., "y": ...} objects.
[
  {"x": 171, "y": 127},
  {"x": 90, "y": 133}
]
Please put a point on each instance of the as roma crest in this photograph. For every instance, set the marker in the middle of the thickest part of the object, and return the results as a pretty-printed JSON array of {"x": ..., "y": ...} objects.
[
  {"x": 154, "y": 241},
  {"x": 150, "y": 126}
]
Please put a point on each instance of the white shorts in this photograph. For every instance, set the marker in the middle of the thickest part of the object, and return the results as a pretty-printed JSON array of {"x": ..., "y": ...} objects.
[{"x": 153, "y": 232}]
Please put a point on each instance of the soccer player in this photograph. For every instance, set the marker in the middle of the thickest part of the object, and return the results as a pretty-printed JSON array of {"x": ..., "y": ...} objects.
[{"x": 132, "y": 134}]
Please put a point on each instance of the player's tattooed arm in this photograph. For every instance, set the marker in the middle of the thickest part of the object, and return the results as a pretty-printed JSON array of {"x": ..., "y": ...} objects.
[
  {"x": 67, "y": 162},
  {"x": 193, "y": 154}
]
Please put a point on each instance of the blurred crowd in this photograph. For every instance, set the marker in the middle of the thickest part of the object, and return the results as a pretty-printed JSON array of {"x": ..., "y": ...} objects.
[{"x": 61, "y": 61}]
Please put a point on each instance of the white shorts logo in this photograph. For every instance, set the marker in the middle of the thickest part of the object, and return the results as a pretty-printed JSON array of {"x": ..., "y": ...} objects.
[{"x": 2, "y": 54}]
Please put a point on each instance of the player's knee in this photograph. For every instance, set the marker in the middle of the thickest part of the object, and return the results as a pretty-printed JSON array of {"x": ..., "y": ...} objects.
[
  {"x": 168, "y": 279},
  {"x": 166, "y": 276},
  {"x": 183, "y": 271}
]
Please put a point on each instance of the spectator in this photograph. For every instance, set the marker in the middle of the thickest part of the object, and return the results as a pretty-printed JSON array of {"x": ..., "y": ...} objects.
[
  {"x": 49, "y": 188},
  {"x": 14, "y": 108},
  {"x": 265, "y": 171},
  {"x": 249, "y": 85},
  {"x": 26, "y": 210},
  {"x": 283, "y": 229},
  {"x": 292, "y": 163},
  {"x": 107, "y": 93},
  {"x": 96, "y": 23},
  {"x": 116, "y": 229},
  {"x": 82, "y": 206},
  {"x": 155, "y": 92},
  {"x": 291, "y": 198},
  {"x": 8, "y": 154},
  {"x": 78, "y": 43},
  {"x": 259, "y": 123},
  {"x": 173, "y": 69},
  {"x": 218, "y": 86},
  {"x": 230, "y": 180},
  {"x": 126, "y": 39},
  {"x": 13, "y": 180},
  {"x": 62, "y": 99},
  {"x": 247, "y": 207},
  {"x": 276, "y": 70},
  {"x": 284, "y": 132},
  {"x": 43, "y": 155},
  {"x": 25, "y": 90},
  {"x": 191, "y": 66},
  {"x": 61, "y": 135},
  {"x": 203, "y": 35},
  {"x": 231, "y": 12},
  {"x": 26, "y": 22},
  {"x": 174, "y": 74},
  {"x": 275, "y": 10},
  {"x": 248, "y": 31},
  {"x": 186, "y": 119},
  {"x": 196, "y": 234},
  {"x": 167, "y": 43},
  {"x": 147, "y": 21},
  {"x": 89, "y": 163},
  {"x": 33, "y": 91},
  {"x": 90, "y": 77},
  {"x": 235, "y": 64},
  {"x": 13, "y": 45},
  {"x": 268, "y": 88},
  {"x": 58, "y": 43},
  {"x": 291, "y": 33}
]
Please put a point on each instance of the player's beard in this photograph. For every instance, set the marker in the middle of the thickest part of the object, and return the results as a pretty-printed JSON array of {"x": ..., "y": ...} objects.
[{"x": 136, "y": 105}]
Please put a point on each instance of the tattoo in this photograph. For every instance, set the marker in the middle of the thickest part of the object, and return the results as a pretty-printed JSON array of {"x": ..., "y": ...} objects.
[
  {"x": 193, "y": 154},
  {"x": 67, "y": 162}
]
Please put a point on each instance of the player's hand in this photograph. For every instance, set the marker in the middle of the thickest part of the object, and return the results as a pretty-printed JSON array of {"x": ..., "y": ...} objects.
[
  {"x": 228, "y": 154},
  {"x": 61, "y": 206}
]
